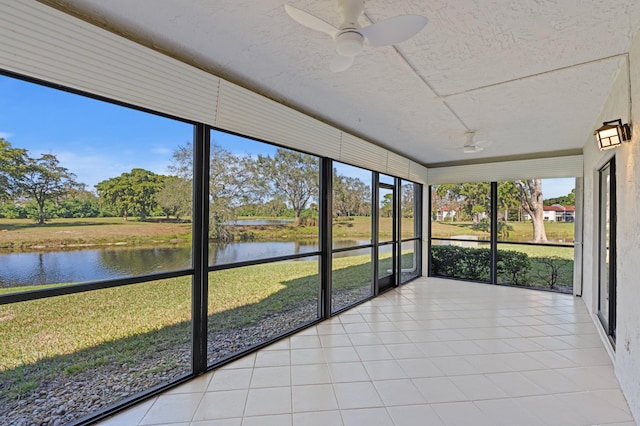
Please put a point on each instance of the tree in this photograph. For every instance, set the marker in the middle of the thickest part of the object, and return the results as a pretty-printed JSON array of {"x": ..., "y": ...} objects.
[
  {"x": 174, "y": 198},
  {"x": 386, "y": 205},
  {"x": 43, "y": 179},
  {"x": 78, "y": 203},
  {"x": 508, "y": 199},
  {"x": 468, "y": 199},
  {"x": 566, "y": 200},
  {"x": 12, "y": 162},
  {"x": 133, "y": 192},
  {"x": 292, "y": 174},
  {"x": 407, "y": 200},
  {"x": 232, "y": 184},
  {"x": 351, "y": 196},
  {"x": 530, "y": 191}
]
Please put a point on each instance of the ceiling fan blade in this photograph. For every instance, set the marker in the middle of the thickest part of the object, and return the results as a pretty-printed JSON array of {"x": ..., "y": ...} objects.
[
  {"x": 341, "y": 63},
  {"x": 310, "y": 21},
  {"x": 393, "y": 30}
]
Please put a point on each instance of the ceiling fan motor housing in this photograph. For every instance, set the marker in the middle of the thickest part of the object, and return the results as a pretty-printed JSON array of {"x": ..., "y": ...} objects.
[{"x": 349, "y": 42}]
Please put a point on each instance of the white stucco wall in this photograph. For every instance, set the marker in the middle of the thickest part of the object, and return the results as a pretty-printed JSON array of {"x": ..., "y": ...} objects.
[{"x": 627, "y": 352}]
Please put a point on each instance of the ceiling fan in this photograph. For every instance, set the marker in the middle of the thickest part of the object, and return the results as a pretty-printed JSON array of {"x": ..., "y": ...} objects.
[
  {"x": 350, "y": 37},
  {"x": 472, "y": 146}
]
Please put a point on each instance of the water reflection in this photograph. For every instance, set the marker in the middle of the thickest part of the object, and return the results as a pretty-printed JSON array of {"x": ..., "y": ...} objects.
[
  {"x": 78, "y": 266},
  {"x": 259, "y": 222}
]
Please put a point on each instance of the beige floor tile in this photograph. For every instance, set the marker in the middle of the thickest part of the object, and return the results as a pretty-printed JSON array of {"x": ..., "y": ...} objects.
[
  {"x": 273, "y": 358},
  {"x": 335, "y": 340},
  {"x": 439, "y": 389},
  {"x": 478, "y": 387},
  {"x": 222, "y": 404},
  {"x": 132, "y": 416},
  {"x": 460, "y": 365},
  {"x": 373, "y": 353},
  {"x": 404, "y": 350},
  {"x": 318, "y": 418},
  {"x": 357, "y": 395},
  {"x": 552, "y": 381},
  {"x": 307, "y": 356},
  {"x": 246, "y": 361},
  {"x": 408, "y": 325},
  {"x": 273, "y": 420},
  {"x": 367, "y": 416},
  {"x": 399, "y": 392},
  {"x": 587, "y": 357},
  {"x": 237, "y": 378},
  {"x": 392, "y": 337},
  {"x": 280, "y": 345},
  {"x": 591, "y": 378},
  {"x": 305, "y": 342},
  {"x": 515, "y": 384},
  {"x": 364, "y": 339},
  {"x": 598, "y": 407},
  {"x": 341, "y": 354},
  {"x": 310, "y": 374},
  {"x": 462, "y": 414},
  {"x": 199, "y": 384},
  {"x": 419, "y": 367},
  {"x": 172, "y": 408},
  {"x": 414, "y": 415},
  {"x": 507, "y": 412},
  {"x": 314, "y": 398},
  {"x": 348, "y": 372},
  {"x": 384, "y": 370},
  {"x": 435, "y": 349},
  {"x": 219, "y": 422},
  {"x": 330, "y": 329},
  {"x": 266, "y": 377},
  {"x": 359, "y": 327},
  {"x": 268, "y": 401}
]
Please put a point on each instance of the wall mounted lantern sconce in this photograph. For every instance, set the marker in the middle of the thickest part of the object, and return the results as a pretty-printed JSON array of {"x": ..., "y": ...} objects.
[{"x": 612, "y": 134}]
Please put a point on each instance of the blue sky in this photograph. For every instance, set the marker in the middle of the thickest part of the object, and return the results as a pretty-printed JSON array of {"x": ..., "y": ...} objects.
[{"x": 97, "y": 140}]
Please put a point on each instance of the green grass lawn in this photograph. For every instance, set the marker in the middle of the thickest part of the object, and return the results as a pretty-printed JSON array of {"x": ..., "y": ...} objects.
[
  {"x": 123, "y": 324},
  {"x": 521, "y": 232},
  {"x": 26, "y": 235},
  {"x": 563, "y": 252}
]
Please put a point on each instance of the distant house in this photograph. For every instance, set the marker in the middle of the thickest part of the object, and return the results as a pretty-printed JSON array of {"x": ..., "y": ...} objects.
[
  {"x": 444, "y": 214},
  {"x": 557, "y": 213}
]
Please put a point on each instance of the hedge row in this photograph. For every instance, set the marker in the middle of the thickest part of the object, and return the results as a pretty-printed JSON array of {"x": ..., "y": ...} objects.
[{"x": 514, "y": 267}]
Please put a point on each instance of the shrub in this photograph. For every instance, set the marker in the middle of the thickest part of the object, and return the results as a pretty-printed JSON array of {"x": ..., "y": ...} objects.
[
  {"x": 554, "y": 271},
  {"x": 475, "y": 264},
  {"x": 513, "y": 266},
  {"x": 461, "y": 262}
]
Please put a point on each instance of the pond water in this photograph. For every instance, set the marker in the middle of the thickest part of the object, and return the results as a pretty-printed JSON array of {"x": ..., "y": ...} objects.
[
  {"x": 76, "y": 266},
  {"x": 259, "y": 222}
]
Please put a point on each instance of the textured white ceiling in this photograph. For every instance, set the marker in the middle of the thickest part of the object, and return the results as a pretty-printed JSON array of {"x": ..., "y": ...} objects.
[{"x": 530, "y": 76}]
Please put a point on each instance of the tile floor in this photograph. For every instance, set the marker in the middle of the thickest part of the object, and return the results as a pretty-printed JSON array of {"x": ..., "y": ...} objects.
[{"x": 434, "y": 352}]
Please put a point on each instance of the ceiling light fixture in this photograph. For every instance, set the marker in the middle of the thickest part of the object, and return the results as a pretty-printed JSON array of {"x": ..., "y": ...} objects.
[
  {"x": 349, "y": 43},
  {"x": 612, "y": 134}
]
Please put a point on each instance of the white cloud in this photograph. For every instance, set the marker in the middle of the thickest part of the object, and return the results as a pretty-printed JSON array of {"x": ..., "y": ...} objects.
[{"x": 5, "y": 135}]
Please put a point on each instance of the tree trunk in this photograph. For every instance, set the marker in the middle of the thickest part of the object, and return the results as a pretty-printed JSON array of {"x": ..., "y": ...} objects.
[
  {"x": 531, "y": 202},
  {"x": 40, "y": 203},
  {"x": 537, "y": 218}
]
